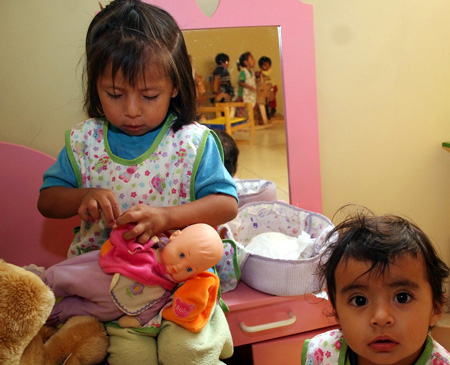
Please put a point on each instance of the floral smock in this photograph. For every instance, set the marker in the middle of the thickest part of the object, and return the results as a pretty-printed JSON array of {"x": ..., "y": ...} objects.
[{"x": 330, "y": 348}]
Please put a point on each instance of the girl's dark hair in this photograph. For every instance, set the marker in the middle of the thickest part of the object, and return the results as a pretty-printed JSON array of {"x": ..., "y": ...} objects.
[
  {"x": 263, "y": 60},
  {"x": 131, "y": 36},
  {"x": 222, "y": 57},
  {"x": 380, "y": 240},
  {"x": 242, "y": 59}
]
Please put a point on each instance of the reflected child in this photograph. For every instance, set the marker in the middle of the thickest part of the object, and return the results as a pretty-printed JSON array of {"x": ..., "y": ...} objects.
[{"x": 246, "y": 81}]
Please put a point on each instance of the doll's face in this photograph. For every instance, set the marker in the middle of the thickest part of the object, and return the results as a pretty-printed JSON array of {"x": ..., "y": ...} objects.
[{"x": 191, "y": 251}]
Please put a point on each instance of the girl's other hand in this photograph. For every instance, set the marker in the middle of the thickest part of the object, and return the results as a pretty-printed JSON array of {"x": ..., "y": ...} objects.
[
  {"x": 149, "y": 221},
  {"x": 97, "y": 201}
]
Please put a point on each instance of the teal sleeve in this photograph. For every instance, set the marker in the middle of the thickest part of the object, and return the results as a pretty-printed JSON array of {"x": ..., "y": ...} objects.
[
  {"x": 212, "y": 176},
  {"x": 60, "y": 173}
]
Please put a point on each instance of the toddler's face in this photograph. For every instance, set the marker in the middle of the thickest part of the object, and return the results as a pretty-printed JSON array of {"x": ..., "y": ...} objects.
[
  {"x": 139, "y": 109},
  {"x": 385, "y": 318},
  {"x": 265, "y": 66}
]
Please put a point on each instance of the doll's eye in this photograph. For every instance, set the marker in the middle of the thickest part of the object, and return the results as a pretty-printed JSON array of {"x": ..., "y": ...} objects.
[
  {"x": 189, "y": 269},
  {"x": 181, "y": 255}
]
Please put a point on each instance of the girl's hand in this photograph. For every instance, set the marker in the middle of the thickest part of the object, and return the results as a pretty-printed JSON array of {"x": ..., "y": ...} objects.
[
  {"x": 149, "y": 221},
  {"x": 96, "y": 201}
]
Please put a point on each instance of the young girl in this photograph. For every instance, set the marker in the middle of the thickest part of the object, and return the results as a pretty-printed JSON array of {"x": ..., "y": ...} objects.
[
  {"x": 246, "y": 80},
  {"x": 141, "y": 159},
  {"x": 386, "y": 286}
]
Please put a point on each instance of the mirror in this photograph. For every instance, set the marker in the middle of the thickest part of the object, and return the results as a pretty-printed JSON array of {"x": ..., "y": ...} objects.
[
  {"x": 295, "y": 20},
  {"x": 256, "y": 159}
]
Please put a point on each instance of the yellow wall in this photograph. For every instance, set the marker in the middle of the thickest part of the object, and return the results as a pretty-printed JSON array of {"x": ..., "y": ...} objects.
[
  {"x": 383, "y": 79},
  {"x": 204, "y": 45},
  {"x": 40, "y": 74}
]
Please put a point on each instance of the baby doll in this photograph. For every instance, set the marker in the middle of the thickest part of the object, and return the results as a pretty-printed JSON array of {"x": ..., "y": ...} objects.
[{"x": 129, "y": 277}]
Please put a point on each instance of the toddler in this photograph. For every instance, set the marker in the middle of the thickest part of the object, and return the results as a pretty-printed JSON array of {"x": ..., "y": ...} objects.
[
  {"x": 386, "y": 286},
  {"x": 223, "y": 90},
  {"x": 266, "y": 89}
]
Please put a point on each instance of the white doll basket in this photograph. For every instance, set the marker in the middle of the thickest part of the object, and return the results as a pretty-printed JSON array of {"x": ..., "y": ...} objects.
[{"x": 276, "y": 276}]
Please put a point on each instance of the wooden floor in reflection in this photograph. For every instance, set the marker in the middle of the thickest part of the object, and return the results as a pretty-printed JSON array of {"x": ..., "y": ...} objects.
[{"x": 266, "y": 157}]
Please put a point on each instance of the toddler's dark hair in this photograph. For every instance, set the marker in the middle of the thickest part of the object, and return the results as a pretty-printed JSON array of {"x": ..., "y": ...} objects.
[
  {"x": 263, "y": 60},
  {"x": 222, "y": 57},
  {"x": 131, "y": 35},
  {"x": 380, "y": 240},
  {"x": 244, "y": 57},
  {"x": 230, "y": 151}
]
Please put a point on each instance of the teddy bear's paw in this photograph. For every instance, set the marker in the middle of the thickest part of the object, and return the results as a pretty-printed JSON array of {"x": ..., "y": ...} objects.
[{"x": 82, "y": 340}]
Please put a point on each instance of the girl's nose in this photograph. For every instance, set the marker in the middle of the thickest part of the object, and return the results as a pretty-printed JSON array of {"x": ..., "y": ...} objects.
[
  {"x": 132, "y": 107},
  {"x": 382, "y": 316}
]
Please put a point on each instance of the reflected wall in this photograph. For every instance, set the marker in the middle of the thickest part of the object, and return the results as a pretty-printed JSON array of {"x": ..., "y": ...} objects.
[{"x": 204, "y": 44}]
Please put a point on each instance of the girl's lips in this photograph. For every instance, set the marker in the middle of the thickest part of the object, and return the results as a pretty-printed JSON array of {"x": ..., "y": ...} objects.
[
  {"x": 133, "y": 128},
  {"x": 383, "y": 344}
]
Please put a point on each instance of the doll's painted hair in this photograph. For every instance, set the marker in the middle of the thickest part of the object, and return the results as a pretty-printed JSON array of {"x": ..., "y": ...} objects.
[
  {"x": 131, "y": 36},
  {"x": 263, "y": 60},
  {"x": 242, "y": 59},
  {"x": 222, "y": 57},
  {"x": 380, "y": 240}
]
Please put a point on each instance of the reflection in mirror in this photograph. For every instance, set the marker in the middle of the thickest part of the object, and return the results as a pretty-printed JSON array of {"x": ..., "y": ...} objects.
[{"x": 265, "y": 157}]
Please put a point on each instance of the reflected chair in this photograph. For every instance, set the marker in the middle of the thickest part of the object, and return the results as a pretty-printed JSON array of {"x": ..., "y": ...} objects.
[{"x": 225, "y": 119}]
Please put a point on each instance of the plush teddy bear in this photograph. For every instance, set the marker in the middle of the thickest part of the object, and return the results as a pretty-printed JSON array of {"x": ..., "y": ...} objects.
[{"x": 25, "y": 304}]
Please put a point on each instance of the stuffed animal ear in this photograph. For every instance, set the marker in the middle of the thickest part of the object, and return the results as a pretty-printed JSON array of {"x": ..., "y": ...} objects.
[{"x": 25, "y": 304}]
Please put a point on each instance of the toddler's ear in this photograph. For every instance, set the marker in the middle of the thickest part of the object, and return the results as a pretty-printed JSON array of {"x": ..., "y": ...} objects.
[
  {"x": 175, "y": 91},
  {"x": 438, "y": 312}
]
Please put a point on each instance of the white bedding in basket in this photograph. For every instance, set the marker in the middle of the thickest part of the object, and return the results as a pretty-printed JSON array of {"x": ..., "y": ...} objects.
[{"x": 278, "y": 245}]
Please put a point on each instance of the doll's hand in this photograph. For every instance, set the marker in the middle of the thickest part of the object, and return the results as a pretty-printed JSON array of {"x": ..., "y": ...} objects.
[
  {"x": 97, "y": 201},
  {"x": 149, "y": 221}
]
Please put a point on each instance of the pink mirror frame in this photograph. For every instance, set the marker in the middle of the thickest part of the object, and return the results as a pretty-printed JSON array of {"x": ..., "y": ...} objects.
[{"x": 299, "y": 77}]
